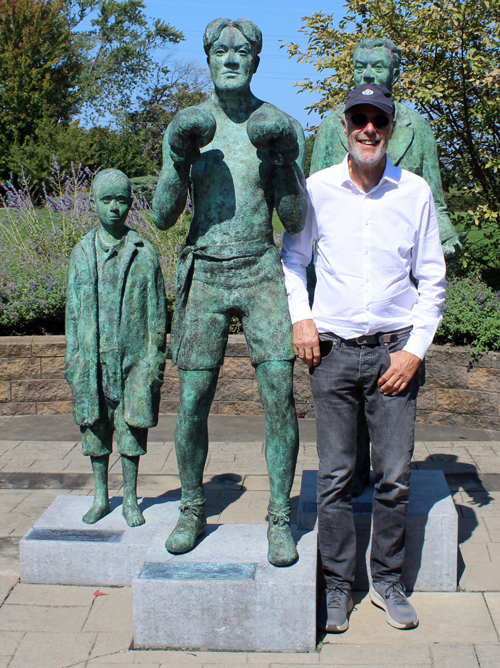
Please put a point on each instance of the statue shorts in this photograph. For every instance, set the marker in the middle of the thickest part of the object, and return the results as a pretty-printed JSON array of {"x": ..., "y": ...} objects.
[
  {"x": 97, "y": 439},
  {"x": 251, "y": 288}
]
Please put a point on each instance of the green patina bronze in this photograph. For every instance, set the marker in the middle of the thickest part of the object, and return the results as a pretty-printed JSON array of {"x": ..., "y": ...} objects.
[
  {"x": 412, "y": 147},
  {"x": 116, "y": 322},
  {"x": 240, "y": 158}
]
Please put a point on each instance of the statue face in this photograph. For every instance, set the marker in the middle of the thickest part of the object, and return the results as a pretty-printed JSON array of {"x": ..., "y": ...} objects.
[
  {"x": 373, "y": 66},
  {"x": 232, "y": 61},
  {"x": 112, "y": 201}
]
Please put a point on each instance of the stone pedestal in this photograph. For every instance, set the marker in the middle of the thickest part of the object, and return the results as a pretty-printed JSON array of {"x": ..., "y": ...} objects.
[
  {"x": 225, "y": 595},
  {"x": 61, "y": 549},
  {"x": 431, "y": 530}
]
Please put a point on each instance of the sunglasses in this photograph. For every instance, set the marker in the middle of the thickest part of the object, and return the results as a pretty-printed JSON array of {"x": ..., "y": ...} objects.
[{"x": 361, "y": 120}]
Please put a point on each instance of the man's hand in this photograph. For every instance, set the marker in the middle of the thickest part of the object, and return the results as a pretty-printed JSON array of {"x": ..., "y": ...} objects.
[
  {"x": 403, "y": 367},
  {"x": 306, "y": 342},
  {"x": 269, "y": 129},
  {"x": 191, "y": 129}
]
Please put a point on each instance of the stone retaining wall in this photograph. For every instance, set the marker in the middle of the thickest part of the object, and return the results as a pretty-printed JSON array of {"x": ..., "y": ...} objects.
[{"x": 460, "y": 389}]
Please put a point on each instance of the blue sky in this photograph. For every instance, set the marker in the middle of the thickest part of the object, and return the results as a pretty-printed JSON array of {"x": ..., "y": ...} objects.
[{"x": 278, "y": 19}]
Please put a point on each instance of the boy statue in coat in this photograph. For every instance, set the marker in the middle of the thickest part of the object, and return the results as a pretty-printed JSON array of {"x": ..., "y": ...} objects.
[{"x": 116, "y": 322}]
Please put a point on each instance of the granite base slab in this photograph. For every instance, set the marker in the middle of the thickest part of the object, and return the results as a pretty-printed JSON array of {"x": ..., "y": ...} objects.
[
  {"x": 61, "y": 549},
  {"x": 225, "y": 595},
  {"x": 431, "y": 530}
]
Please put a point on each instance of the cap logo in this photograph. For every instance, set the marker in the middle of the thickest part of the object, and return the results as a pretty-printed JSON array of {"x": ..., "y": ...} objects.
[{"x": 367, "y": 91}]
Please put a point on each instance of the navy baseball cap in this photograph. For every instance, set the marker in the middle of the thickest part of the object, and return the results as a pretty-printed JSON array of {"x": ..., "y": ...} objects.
[{"x": 374, "y": 94}]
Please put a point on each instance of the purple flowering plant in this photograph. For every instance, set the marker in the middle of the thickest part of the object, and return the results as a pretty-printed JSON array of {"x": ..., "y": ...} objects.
[{"x": 37, "y": 237}]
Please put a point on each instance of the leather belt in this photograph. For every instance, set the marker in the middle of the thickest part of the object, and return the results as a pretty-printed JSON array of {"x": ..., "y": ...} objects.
[{"x": 378, "y": 339}]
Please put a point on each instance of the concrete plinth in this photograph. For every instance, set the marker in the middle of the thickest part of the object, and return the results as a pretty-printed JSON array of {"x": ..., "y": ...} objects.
[
  {"x": 61, "y": 549},
  {"x": 431, "y": 530},
  {"x": 226, "y": 595}
]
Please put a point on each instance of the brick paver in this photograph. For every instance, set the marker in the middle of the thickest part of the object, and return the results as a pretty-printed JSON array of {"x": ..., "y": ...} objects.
[{"x": 75, "y": 627}]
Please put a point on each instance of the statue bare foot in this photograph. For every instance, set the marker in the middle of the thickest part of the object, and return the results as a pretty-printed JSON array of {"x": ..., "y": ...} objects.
[
  {"x": 100, "y": 508},
  {"x": 132, "y": 513}
]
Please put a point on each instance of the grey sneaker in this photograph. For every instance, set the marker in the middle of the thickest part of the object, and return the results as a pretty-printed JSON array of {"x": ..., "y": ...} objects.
[
  {"x": 391, "y": 597},
  {"x": 334, "y": 610}
]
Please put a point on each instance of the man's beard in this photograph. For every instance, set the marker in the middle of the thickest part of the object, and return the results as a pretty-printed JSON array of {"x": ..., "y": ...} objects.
[{"x": 353, "y": 147}]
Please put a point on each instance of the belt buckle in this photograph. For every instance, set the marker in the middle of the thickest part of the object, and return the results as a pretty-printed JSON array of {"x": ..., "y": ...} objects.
[{"x": 361, "y": 340}]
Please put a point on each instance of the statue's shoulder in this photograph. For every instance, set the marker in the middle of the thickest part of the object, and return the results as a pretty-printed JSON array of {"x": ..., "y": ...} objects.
[
  {"x": 144, "y": 247},
  {"x": 85, "y": 244},
  {"x": 334, "y": 118},
  {"x": 412, "y": 117}
]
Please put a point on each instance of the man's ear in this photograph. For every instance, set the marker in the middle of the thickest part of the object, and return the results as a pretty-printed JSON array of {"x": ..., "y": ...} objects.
[
  {"x": 256, "y": 64},
  {"x": 345, "y": 126},
  {"x": 392, "y": 128},
  {"x": 92, "y": 202},
  {"x": 395, "y": 76}
]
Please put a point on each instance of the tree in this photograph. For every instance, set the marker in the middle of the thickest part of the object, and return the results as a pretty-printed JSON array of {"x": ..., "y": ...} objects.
[
  {"x": 39, "y": 69},
  {"x": 175, "y": 87},
  {"x": 450, "y": 73},
  {"x": 117, "y": 51}
]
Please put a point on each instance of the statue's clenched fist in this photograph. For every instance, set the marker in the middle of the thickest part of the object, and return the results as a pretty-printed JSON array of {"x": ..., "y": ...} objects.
[
  {"x": 191, "y": 129},
  {"x": 271, "y": 130}
]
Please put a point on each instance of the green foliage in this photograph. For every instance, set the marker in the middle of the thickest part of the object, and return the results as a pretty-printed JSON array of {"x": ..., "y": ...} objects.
[
  {"x": 36, "y": 242},
  {"x": 39, "y": 70},
  {"x": 119, "y": 149},
  {"x": 450, "y": 73},
  {"x": 471, "y": 315},
  {"x": 117, "y": 51}
]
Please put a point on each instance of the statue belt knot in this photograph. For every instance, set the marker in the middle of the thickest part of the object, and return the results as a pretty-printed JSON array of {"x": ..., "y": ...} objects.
[{"x": 184, "y": 276}]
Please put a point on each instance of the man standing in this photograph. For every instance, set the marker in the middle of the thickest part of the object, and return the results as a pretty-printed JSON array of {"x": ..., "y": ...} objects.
[
  {"x": 374, "y": 224},
  {"x": 249, "y": 165},
  {"x": 412, "y": 146}
]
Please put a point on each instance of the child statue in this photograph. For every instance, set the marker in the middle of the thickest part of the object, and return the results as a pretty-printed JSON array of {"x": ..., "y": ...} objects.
[{"x": 116, "y": 322}]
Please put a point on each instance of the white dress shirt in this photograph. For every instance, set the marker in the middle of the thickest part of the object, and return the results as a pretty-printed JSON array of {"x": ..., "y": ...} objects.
[{"x": 367, "y": 244}]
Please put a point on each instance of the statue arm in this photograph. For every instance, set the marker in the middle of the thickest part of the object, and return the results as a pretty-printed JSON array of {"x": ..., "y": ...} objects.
[
  {"x": 172, "y": 189},
  {"x": 157, "y": 321},
  {"x": 290, "y": 197},
  {"x": 72, "y": 312}
]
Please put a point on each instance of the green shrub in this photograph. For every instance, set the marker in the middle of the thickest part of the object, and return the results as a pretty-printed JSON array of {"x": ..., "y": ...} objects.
[{"x": 471, "y": 314}]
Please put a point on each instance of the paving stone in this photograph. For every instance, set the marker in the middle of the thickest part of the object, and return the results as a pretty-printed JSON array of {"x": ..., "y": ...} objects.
[
  {"x": 53, "y": 650},
  {"x": 390, "y": 655},
  {"x": 112, "y": 611},
  {"x": 472, "y": 530},
  {"x": 493, "y": 602},
  {"x": 51, "y": 595},
  {"x": 9, "y": 563},
  {"x": 112, "y": 641},
  {"x": 18, "y": 408},
  {"x": 5, "y": 394},
  {"x": 258, "y": 659},
  {"x": 444, "y": 618},
  {"x": 9, "y": 641},
  {"x": 488, "y": 655},
  {"x": 445, "y": 655},
  {"x": 42, "y": 618},
  {"x": 493, "y": 526}
]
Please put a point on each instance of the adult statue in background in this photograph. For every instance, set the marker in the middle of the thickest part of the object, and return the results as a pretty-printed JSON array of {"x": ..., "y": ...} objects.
[
  {"x": 116, "y": 321},
  {"x": 247, "y": 166},
  {"x": 411, "y": 147}
]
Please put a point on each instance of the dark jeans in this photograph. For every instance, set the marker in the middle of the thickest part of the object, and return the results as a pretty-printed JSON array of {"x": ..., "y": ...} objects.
[{"x": 344, "y": 376}]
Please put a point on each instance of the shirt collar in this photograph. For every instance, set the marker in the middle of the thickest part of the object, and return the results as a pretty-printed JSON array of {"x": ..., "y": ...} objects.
[{"x": 390, "y": 174}]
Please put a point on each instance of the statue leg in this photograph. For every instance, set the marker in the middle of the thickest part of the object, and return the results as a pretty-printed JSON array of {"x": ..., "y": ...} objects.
[
  {"x": 197, "y": 389},
  {"x": 361, "y": 476},
  {"x": 100, "y": 508},
  {"x": 131, "y": 511},
  {"x": 275, "y": 382}
]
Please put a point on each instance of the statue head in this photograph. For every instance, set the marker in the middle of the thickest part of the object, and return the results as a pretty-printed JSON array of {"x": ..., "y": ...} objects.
[
  {"x": 111, "y": 198},
  {"x": 376, "y": 60},
  {"x": 232, "y": 49}
]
